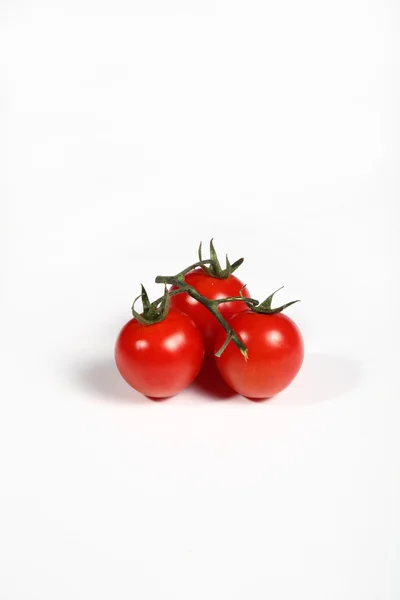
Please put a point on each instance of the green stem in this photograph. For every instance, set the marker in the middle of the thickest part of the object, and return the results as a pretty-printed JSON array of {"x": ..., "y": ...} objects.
[
  {"x": 181, "y": 275},
  {"x": 211, "y": 305},
  {"x": 199, "y": 263},
  {"x": 248, "y": 301},
  {"x": 224, "y": 346},
  {"x": 170, "y": 292}
]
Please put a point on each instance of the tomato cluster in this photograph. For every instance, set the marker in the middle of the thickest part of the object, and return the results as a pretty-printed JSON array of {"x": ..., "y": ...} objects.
[{"x": 206, "y": 312}]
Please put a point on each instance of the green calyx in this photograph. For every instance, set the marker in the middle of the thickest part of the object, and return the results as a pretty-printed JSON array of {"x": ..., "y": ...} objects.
[
  {"x": 214, "y": 268},
  {"x": 265, "y": 308},
  {"x": 153, "y": 312}
]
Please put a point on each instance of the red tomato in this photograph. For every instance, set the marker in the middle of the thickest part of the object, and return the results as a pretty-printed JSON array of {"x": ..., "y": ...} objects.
[
  {"x": 275, "y": 354},
  {"x": 161, "y": 359},
  {"x": 214, "y": 289}
]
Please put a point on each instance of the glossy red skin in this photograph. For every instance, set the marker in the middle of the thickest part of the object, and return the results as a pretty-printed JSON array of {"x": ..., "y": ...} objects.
[
  {"x": 214, "y": 289},
  {"x": 275, "y": 354},
  {"x": 162, "y": 359}
]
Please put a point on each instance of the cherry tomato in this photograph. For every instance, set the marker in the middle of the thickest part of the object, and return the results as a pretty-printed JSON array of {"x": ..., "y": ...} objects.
[
  {"x": 214, "y": 289},
  {"x": 275, "y": 354},
  {"x": 161, "y": 359}
]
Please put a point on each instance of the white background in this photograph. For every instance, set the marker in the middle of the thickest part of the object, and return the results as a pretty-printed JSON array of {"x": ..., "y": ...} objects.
[{"x": 129, "y": 131}]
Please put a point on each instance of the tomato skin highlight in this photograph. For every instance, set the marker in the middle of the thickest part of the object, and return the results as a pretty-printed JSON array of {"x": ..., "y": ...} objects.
[
  {"x": 161, "y": 359},
  {"x": 275, "y": 354},
  {"x": 214, "y": 289}
]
